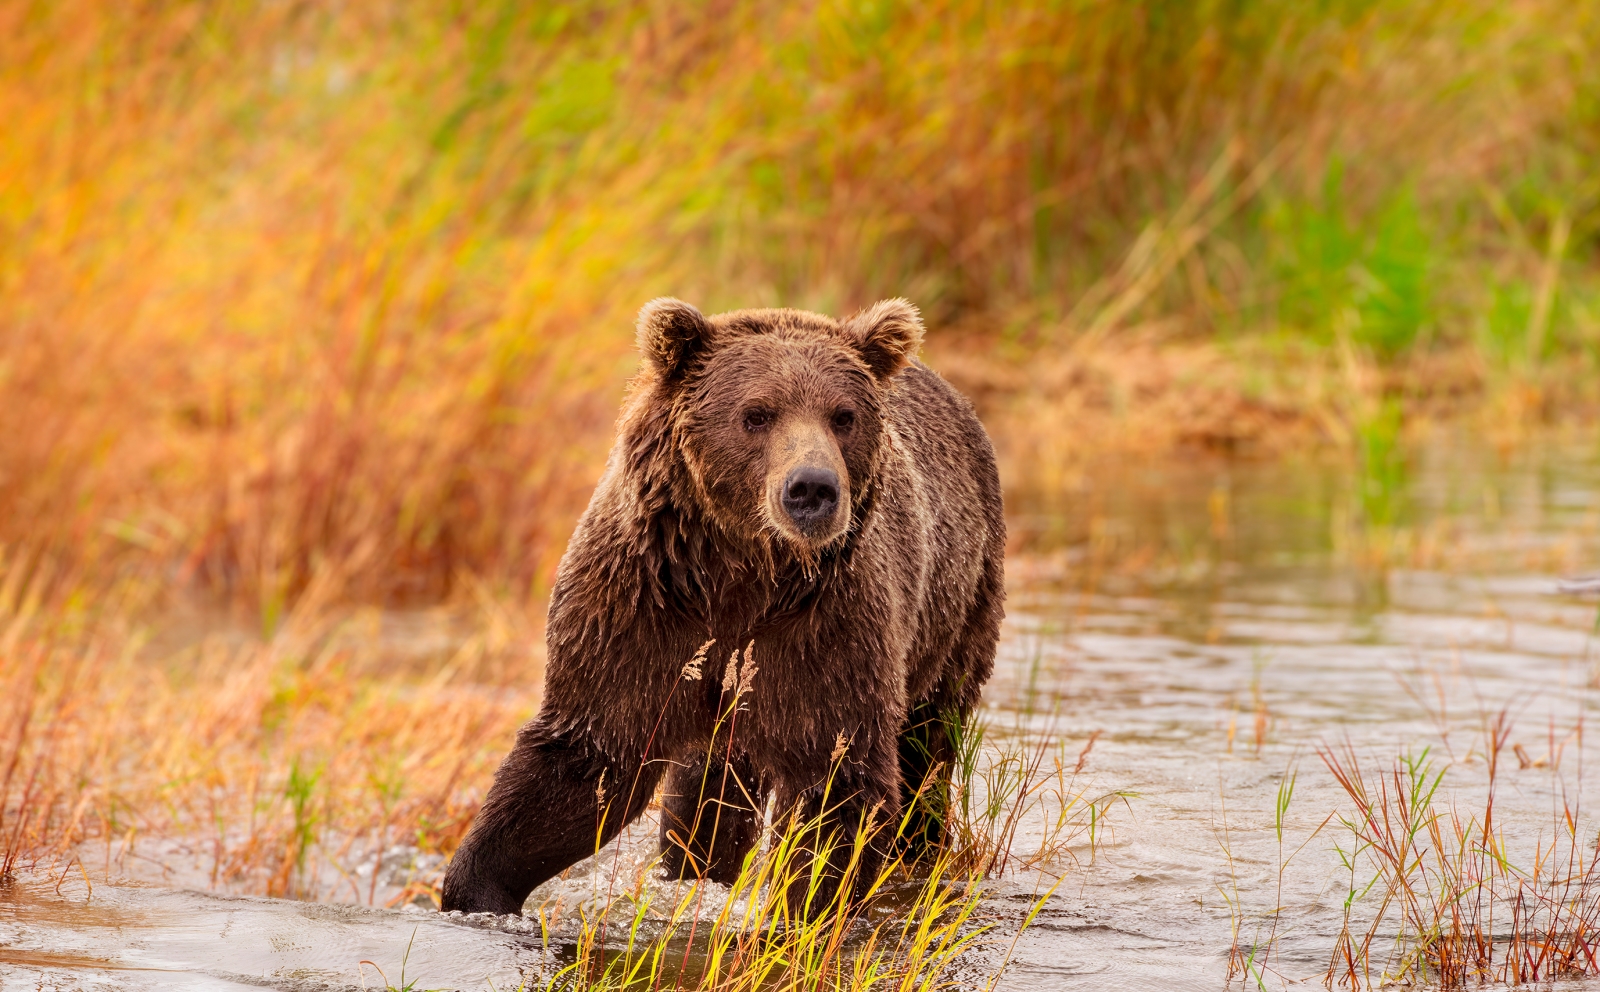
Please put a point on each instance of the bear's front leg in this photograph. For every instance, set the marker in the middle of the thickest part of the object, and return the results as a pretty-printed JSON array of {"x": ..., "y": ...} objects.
[
  {"x": 556, "y": 799},
  {"x": 928, "y": 753},
  {"x": 711, "y": 813},
  {"x": 843, "y": 828}
]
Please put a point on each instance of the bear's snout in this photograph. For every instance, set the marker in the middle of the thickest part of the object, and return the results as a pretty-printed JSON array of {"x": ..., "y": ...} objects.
[{"x": 811, "y": 497}]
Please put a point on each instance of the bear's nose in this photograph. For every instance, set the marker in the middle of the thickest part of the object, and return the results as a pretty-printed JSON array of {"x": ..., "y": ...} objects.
[{"x": 810, "y": 495}]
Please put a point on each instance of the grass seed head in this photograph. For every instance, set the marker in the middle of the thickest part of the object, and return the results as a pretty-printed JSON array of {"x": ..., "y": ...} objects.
[{"x": 693, "y": 670}]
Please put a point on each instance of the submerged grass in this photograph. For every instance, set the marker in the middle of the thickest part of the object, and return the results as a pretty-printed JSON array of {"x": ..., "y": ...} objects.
[
  {"x": 1435, "y": 887},
  {"x": 1438, "y": 897},
  {"x": 1252, "y": 955},
  {"x": 292, "y": 766}
]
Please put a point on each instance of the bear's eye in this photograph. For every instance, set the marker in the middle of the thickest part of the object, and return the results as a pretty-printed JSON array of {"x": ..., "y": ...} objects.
[
  {"x": 757, "y": 419},
  {"x": 844, "y": 420}
]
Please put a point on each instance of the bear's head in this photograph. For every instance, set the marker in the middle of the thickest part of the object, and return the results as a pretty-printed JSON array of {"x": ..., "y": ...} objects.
[{"x": 776, "y": 417}]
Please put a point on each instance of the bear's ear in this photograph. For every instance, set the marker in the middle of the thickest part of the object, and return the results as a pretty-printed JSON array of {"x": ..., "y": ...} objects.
[
  {"x": 671, "y": 334},
  {"x": 887, "y": 334}
]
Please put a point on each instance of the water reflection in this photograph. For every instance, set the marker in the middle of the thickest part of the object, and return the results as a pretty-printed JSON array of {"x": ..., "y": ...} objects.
[{"x": 1218, "y": 621}]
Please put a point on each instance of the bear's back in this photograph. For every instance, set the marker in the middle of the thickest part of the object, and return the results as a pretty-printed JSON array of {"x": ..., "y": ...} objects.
[{"x": 959, "y": 515}]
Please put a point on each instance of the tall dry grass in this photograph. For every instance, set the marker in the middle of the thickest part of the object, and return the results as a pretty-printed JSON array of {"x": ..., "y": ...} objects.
[
  {"x": 290, "y": 288},
  {"x": 303, "y": 765}
]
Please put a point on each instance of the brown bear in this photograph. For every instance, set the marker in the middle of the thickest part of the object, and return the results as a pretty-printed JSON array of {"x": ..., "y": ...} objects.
[{"x": 808, "y": 496}]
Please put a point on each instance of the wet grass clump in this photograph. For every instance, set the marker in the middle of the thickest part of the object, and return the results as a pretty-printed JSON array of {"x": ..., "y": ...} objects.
[
  {"x": 810, "y": 909},
  {"x": 1446, "y": 900}
]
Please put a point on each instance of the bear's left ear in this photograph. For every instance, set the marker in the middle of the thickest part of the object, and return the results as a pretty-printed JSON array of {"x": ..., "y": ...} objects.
[
  {"x": 887, "y": 335},
  {"x": 671, "y": 334}
]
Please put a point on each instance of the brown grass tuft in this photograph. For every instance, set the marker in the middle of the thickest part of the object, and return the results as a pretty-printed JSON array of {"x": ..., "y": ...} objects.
[{"x": 1463, "y": 908}]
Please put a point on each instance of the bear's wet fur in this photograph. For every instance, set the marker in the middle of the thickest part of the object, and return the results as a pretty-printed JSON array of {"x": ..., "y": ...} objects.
[{"x": 808, "y": 496}]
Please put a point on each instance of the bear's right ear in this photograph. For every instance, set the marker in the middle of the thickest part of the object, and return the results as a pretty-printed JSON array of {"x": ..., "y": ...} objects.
[
  {"x": 887, "y": 335},
  {"x": 671, "y": 334}
]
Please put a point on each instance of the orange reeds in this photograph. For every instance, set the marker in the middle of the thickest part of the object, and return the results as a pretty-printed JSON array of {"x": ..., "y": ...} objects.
[
  {"x": 282, "y": 767},
  {"x": 284, "y": 287},
  {"x": 1455, "y": 905}
]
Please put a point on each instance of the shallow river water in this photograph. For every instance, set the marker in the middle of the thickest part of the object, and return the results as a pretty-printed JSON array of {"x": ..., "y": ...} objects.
[{"x": 1187, "y": 633}]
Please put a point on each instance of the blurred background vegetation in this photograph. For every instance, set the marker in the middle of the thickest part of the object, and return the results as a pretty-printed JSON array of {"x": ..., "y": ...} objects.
[{"x": 297, "y": 293}]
